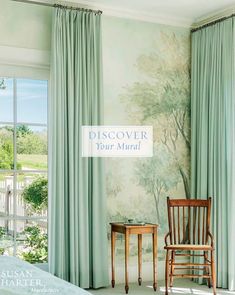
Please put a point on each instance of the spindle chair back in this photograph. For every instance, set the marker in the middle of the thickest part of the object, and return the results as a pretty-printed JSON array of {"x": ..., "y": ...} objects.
[{"x": 189, "y": 232}]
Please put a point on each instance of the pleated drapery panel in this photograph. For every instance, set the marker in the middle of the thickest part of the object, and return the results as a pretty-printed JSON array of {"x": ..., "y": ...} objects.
[
  {"x": 213, "y": 127},
  {"x": 77, "y": 204}
]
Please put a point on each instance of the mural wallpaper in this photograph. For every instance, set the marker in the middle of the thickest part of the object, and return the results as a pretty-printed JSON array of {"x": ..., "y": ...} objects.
[{"x": 146, "y": 82}]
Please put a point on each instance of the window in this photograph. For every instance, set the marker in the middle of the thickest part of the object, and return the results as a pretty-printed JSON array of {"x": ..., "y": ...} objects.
[{"x": 23, "y": 168}]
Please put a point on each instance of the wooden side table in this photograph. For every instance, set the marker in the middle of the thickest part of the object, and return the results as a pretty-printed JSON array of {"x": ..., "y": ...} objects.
[{"x": 139, "y": 230}]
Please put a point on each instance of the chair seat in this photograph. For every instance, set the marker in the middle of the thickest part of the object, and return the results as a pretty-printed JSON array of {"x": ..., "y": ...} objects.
[{"x": 188, "y": 247}]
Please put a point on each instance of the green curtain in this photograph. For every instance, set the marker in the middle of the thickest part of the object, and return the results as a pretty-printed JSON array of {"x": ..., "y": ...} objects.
[
  {"x": 77, "y": 205},
  {"x": 213, "y": 128}
]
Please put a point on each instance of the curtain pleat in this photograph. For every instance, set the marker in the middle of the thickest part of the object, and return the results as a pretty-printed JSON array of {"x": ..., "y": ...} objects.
[
  {"x": 77, "y": 204},
  {"x": 213, "y": 127}
]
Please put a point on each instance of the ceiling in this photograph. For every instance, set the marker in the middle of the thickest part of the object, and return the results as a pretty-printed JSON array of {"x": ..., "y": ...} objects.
[{"x": 176, "y": 12}]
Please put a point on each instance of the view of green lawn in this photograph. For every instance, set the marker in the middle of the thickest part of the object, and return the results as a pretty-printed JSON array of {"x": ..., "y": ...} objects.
[
  {"x": 31, "y": 148},
  {"x": 32, "y": 162}
]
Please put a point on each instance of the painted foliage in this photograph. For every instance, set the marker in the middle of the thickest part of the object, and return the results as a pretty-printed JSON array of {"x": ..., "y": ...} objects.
[{"x": 146, "y": 82}]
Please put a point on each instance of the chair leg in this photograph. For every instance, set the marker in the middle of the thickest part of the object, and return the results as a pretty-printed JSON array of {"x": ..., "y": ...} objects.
[
  {"x": 172, "y": 268},
  {"x": 167, "y": 272},
  {"x": 192, "y": 271},
  {"x": 207, "y": 268},
  {"x": 213, "y": 274}
]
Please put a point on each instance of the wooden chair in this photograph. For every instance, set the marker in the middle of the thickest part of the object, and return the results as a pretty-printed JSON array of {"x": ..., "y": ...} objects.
[{"x": 189, "y": 230}]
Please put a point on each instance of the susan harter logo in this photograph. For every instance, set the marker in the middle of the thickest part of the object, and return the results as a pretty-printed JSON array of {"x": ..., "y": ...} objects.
[
  {"x": 117, "y": 141},
  {"x": 23, "y": 278}
]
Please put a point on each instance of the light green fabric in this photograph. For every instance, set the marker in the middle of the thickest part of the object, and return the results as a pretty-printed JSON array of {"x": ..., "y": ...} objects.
[
  {"x": 213, "y": 107},
  {"x": 77, "y": 205}
]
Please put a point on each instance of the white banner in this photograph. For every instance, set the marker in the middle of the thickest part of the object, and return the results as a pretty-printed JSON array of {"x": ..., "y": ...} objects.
[{"x": 117, "y": 141}]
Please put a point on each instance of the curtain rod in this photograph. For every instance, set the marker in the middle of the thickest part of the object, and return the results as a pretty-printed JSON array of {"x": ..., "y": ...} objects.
[
  {"x": 58, "y": 5},
  {"x": 212, "y": 23}
]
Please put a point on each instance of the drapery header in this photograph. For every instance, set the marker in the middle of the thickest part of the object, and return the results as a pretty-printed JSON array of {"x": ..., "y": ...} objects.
[
  {"x": 60, "y": 6},
  {"x": 77, "y": 8},
  {"x": 212, "y": 23}
]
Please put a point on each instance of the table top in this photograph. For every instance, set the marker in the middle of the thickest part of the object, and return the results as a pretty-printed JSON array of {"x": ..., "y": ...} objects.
[{"x": 125, "y": 225}]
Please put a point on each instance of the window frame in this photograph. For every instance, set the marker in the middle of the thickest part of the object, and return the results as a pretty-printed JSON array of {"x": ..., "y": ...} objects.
[{"x": 34, "y": 75}]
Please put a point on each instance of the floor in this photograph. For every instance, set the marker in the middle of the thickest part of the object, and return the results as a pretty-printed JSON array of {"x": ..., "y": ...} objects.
[{"x": 180, "y": 287}]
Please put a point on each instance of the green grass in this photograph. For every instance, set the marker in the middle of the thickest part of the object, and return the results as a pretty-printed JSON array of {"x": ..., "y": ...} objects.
[
  {"x": 31, "y": 162},
  {"x": 38, "y": 162}
]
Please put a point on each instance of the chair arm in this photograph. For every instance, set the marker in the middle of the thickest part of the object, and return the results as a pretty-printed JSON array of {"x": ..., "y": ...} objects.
[
  {"x": 211, "y": 238},
  {"x": 166, "y": 236}
]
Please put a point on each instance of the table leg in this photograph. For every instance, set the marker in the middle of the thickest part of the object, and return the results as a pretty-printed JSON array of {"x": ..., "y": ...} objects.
[
  {"x": 113, "y": 240},
  {"x": 140, "y": 259},
  {"x": 126, "y": 260},
  {"x": 155, "y": 260}
]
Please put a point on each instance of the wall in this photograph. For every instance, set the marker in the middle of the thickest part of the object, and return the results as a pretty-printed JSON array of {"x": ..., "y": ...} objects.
[
  {"x": 146, "y": 81},
  {"x": 25, "y": 38},
  {"x": 24, "y": 25}
]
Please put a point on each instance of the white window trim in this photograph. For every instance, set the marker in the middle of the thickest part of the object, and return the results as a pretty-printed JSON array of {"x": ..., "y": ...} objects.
[{"x": 25, "y": 63}]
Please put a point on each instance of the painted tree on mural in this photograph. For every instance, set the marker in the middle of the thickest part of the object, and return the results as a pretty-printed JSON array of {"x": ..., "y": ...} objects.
[
  {"x": 114, "y": 187},
  {"x": 157, "y": 175},
  {"x": 162, "y": 100}
]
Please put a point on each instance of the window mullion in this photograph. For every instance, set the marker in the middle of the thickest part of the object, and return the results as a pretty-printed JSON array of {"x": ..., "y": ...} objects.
[
  {"x": 24, "y": 123},
  {"x": 15, "y": 161},
  {"x": 23, "y": 171}
]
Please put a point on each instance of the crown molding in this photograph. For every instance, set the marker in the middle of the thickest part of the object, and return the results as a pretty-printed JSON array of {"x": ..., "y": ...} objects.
[
  {"x": 124, "y": 13},
  {"x": 148, "y": 17},
  {"x": 143, "y": 15},
  {"x": 133, "y": 14},
  {"x": 208, "y": 18}
]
